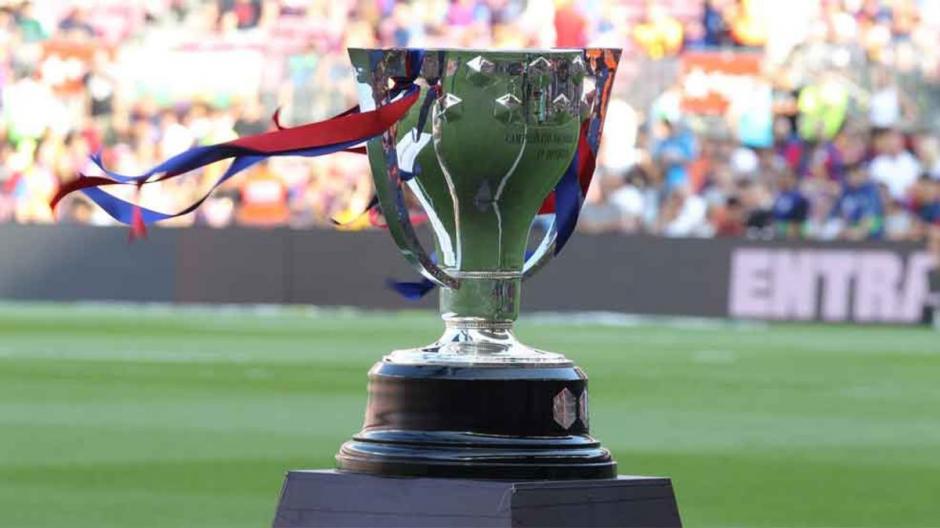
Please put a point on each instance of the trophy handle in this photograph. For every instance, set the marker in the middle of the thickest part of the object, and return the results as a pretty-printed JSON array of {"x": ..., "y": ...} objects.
[
  {"x": 543, "y": 253},
  {"x": 600, "y": 66},
  {"x": 383, "y": 153},
  {"x": 392, "y": 201}
]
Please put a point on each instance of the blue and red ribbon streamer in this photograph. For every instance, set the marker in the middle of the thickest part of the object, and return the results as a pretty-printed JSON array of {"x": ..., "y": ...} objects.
[{"x": 342, "y": 132}]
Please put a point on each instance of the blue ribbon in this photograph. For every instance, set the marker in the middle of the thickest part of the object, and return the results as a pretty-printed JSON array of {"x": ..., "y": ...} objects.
[
  {"x": 123, "y": 211},
  {"x": 413, "y": 291},
  {"x": 567, "y": 204}
]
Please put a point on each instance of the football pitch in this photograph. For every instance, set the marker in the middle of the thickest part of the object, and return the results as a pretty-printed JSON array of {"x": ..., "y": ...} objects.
[{"x": 153, "y": 416}]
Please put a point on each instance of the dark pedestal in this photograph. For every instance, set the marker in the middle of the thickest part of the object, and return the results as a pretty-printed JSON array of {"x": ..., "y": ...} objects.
[
  {"x": 472, "y": 422},
  {"x": 331, "y": 498}
]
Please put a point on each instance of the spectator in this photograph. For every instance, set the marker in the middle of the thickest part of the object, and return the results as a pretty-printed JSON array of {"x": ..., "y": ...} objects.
[
  {"x": 251, "y": 119},
  {"x": 100, "y": 84},
  {"x": 812, "y": 157},
  {"x": 29, "y": 26},
  {"x": 632, "y": 200},
  {"x": 859, "y": 214},
  {"x": 823, "y": 106},
  {"x": 753, "y": 116},
  {"x": 683, "y": 214},
  {"x": 731, "y": 220},
  {"x": 899, "y": 222},
  {"x": 599, "y": 213},
  {"x": 175, "y": 138},
  {"x": 790, "y": 208},
  {"x": 748, "y": 27},
  {"x": 247, "y": 12},
  {"x": 30, "y": 107},
  {"x": 745, "y": 163},
  {"x": 673, "y": 153},
  {"x": 894, "y": 166},
  {"x": 263, "y": 198},
  {"x": 928, "y": 153},
  {"x": 570, "y": 25},
  {"x": 884, "y": 107},
  {"x": 76, "y": 21},
  {"x": 659, "y": 34},
  {"x": 929, "y": 202},
  {"x": 757, "y": 202},
  {"x": 36, "y": 182},
  {"x": 714, "y": 24}
]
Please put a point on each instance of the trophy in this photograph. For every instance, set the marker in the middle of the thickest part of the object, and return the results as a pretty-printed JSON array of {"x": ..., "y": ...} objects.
[{"x": 490, "y": 138}]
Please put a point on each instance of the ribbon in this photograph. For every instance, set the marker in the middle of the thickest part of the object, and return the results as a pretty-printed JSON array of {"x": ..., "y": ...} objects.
[
  {"x": 276, "y": 119},
  {"x": 413, "y": 291},
  {"x": 316, "y": 139},
  {"x": 568, "y": 196},
  {"x": 572, "y": 188}
]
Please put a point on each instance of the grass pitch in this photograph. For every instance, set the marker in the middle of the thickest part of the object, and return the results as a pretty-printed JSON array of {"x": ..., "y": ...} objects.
[{"x": 163, "y": 417}]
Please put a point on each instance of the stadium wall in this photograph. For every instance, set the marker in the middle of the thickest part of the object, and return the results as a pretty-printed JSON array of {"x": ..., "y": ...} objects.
[{"x": 832, "y": 282}]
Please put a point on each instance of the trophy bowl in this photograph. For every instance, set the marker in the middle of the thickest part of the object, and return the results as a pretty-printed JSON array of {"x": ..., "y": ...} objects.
[{"x": 491, "y": 136}]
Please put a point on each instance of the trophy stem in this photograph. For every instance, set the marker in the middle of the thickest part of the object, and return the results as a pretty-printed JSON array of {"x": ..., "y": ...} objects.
[{"x": 484, "y": 297}]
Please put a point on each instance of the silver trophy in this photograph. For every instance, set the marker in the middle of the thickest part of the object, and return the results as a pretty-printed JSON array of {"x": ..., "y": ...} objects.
[{"x": 492, "y": 134}]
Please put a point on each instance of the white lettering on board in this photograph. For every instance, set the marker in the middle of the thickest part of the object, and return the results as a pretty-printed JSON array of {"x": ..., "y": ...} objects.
[{"x": 877, "y": 286}]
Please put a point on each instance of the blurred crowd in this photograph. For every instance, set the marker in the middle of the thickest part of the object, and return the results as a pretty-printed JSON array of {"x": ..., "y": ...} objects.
[{"x": 831, "y": 136}]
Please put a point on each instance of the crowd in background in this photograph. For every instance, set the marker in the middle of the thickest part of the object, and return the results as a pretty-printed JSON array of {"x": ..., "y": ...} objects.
[{"x": 831, "y": 136}]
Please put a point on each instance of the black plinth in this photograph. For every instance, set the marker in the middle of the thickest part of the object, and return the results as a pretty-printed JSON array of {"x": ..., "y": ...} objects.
[
  {"x": 338, "y": 499},
  {"x": 515, "y": 422}
]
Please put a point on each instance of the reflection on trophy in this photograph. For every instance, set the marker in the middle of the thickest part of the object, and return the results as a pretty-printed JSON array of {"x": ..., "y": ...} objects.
[{"x": 492, "y": 135}]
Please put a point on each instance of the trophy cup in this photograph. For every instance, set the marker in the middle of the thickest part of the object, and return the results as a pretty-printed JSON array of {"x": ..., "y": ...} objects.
[{"x": 490, "y": 137}]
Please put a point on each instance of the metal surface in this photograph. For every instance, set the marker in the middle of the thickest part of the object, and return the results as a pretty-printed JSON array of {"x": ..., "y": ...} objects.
[
  {"x": 470, "y": 341},
  {"x": 492, "y": 134}
]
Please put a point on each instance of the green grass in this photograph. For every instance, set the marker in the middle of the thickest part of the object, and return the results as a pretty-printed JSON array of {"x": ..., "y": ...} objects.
[{"x": 158, "y": 417}]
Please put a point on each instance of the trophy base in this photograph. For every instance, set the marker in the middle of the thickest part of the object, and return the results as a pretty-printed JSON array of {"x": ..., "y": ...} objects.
[
  {"x": 443, "y": 454},
  {"x": 312, "y": 498},
  {"x": 481, "y": 422}
]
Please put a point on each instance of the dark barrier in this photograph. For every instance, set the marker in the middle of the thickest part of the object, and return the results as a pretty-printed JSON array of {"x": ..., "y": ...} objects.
[
  {"x": 869, "y": 282},
  {"x": 803, "y": 281}
]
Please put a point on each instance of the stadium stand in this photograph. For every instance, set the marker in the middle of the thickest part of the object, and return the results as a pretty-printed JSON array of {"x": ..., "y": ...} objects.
[{"x": 722, "y": 126}]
